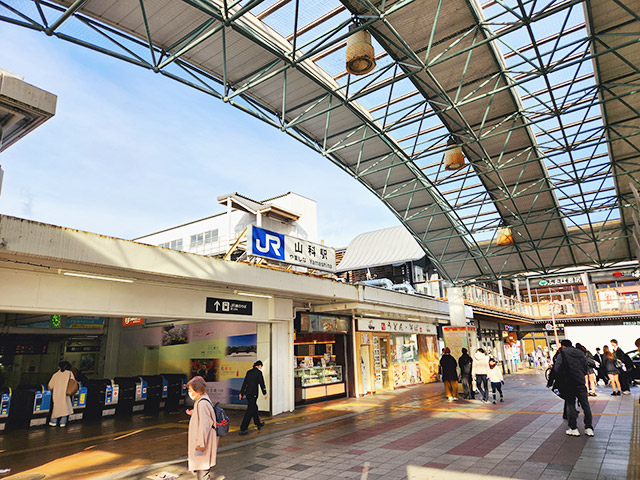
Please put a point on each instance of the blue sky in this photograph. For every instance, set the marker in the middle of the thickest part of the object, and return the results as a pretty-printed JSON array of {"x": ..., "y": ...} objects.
[{"x": 129, "y": 152}]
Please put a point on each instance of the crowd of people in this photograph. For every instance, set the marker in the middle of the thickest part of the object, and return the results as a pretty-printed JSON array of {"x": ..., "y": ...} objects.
[{"x": 481, "y": 368}]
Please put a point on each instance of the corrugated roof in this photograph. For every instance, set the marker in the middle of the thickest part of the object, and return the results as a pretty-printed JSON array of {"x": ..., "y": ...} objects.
[{"x": 382, "y": 247}]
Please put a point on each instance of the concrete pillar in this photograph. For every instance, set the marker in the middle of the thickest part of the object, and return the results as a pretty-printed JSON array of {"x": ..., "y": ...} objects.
[
  {"x": 112, "y": 349},
  {"x": 282, "y": 393},
  {"x": 456, "y": 307},
  {"x": 264, "y": 354}
]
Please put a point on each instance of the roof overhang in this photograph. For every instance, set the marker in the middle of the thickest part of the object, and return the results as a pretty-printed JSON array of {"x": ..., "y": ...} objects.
[{"x": 23, "y": 108}]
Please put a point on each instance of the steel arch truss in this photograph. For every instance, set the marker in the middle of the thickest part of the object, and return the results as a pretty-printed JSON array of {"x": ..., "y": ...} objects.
[{"x": 543, "y": 95}]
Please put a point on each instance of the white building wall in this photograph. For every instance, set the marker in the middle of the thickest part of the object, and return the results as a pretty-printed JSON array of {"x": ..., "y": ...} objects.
[{"x": 228, "y": 231}]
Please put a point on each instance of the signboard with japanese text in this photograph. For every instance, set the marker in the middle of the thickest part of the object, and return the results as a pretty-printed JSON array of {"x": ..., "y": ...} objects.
[
  {"x": 85, "y": 322},
  {"x": 128, "y": 321},
  {"x": 553, "y": 281},
  {"x": 228, "y": 307},
  {"x": 393, "y": 326},
  {"x": 295, "y": 251}
]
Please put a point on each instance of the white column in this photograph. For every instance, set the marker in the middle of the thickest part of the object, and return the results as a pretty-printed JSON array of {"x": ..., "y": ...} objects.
[
  {"x": 282, "y": 394},
  {"x": 112, "y": 350},
  {"x": 456, "y": 307}
]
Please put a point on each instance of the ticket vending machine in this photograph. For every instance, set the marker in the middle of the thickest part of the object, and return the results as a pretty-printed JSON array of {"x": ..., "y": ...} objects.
[
  {"x": 5, "y": 405},
  {"x": 79, "y": 403},
  {"x": 141, "y": 395}
]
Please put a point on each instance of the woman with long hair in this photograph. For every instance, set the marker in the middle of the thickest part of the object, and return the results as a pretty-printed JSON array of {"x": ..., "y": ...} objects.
[
  {"x": 611, "y": 369},
  {"x": 62, "y": 407}
]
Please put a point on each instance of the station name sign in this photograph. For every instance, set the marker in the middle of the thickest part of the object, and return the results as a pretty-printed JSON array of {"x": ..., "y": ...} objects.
[
  {"x": 392, "y": 326},
  {"x": 228, "y": 307},
  {"x": 292, "y": 250}
]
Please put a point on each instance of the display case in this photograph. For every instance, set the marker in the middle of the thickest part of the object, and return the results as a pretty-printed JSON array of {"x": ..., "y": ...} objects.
[
  {"x": 319, "y": 375},
  {"x": 318, "y": 382}
]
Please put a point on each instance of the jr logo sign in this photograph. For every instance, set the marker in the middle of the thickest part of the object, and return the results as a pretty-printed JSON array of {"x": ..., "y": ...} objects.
[{"x": 267, "y": 244}]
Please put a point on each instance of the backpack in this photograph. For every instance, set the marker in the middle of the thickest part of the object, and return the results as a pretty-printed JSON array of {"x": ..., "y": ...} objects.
[{"x": 222, "y": 421}]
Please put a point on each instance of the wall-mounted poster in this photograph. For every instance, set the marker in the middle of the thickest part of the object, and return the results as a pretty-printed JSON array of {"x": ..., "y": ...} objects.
[
  {"x": 88, "y": 363},
  {"x": 207, "y": 368},
  {"x": 174, "y": 335}
]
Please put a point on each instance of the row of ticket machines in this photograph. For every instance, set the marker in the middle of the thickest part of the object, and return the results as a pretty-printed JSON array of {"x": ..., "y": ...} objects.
[{"x": 30, "y": 405}]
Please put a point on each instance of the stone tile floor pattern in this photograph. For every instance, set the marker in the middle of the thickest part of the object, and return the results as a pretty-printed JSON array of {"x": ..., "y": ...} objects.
[
  {"x": 522, "y": 438},
  {"x": 378, "y": 437}
]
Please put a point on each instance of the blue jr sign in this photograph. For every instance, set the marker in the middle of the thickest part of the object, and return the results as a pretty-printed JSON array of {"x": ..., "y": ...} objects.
[{"x": 265, "y": 243}]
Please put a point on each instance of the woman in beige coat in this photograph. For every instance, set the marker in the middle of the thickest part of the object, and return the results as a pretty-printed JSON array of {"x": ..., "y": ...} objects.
[
  {"x": 203, "y": 441},
  {"x": 62, "y": 407}
]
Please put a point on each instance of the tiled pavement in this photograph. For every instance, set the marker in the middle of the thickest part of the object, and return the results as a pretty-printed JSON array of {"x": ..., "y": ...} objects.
[
  {"x": 411, "y": 433},
  {"x": 522, "y": 438}
]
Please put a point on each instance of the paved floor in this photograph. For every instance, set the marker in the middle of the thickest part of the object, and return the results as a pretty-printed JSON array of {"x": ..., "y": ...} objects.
[{"x": 411, "y": 433}]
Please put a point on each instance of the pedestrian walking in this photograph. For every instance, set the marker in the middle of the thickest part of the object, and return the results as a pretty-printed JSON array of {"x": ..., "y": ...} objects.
[
  {"x": 449, "y": 368},
  {"x": 590, "y": 378},
  {"x": 496, "y": 378},
  {"x": 202, "y": 437},
  {"x": 612, "y": 371},
  {"x": 58, "y": 385},
  {"x": 568, "y": 376},
  {"x": 624, "y": 365},
  {"x": 465, "y": 362},
  {"x": 481, "y": 370},
  {"x": 601, "y": 371},
  {"x": 249, "y": 389}
]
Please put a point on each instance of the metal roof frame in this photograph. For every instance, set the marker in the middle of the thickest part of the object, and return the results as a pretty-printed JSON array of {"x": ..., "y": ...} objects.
[{"x": 544, "y": 96}]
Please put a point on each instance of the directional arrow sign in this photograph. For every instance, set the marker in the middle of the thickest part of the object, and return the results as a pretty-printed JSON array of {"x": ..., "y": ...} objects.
[{"x": 228, "y": 307}]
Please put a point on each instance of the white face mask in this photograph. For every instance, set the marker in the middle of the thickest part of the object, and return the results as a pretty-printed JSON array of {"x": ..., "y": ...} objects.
[{"x": 192, "y": 395}]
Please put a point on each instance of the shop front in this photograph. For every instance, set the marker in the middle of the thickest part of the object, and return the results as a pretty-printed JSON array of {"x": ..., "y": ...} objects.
[
  {"x": 321, "y": 356},
  {"x": 393, "y": 354}
]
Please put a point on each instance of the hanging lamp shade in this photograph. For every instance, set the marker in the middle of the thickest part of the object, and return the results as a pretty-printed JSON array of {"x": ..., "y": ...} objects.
[
  {"x": 360, "y": 54},
  {"x": 453, "y": 156},
  {"x": 504, "y": 237}
]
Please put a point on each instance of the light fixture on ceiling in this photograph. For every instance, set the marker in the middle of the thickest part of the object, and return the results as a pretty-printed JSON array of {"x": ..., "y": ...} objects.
[
  {"x": 98, "y": 277},
  {"x": 505, "y": 237},
  {"x": 453, "y": 156},
  {"x": 248, "y": 294},
  {"x": 372, "y": 315},
  {"x": 413, "y": 319},
  {"x": 360, "y": 55}
]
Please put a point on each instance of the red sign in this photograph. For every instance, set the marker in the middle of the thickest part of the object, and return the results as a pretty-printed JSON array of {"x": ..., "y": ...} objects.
[
  {"x": 128, "y": 321},
  {"x": 617, "y": 274}
]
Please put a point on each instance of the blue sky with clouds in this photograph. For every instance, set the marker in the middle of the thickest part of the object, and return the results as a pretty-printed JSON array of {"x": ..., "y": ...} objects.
[{"x": 130, "y": 152}]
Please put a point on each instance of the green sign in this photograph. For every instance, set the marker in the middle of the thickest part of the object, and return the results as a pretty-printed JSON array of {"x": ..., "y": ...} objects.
[
  {"x": 542, "y": 283},
  {"x": 55, "y": 320}
]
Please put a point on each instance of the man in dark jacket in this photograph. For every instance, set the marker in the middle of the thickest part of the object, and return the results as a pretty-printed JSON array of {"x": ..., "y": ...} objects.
[
  {"x": 449, "y": 368},
  {"x": 618, "y": 354},
  {"x": 602, "y": 371},
  {"x": 569, "y": 370},
  {"x": 465, "y": 362},
  {"x": 252, "y": 379}
]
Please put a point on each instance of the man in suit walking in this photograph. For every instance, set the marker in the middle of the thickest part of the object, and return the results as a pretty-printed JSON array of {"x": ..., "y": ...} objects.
[
  {"x": 602, "y": 371},
  {"x": 249, "y": 389}
]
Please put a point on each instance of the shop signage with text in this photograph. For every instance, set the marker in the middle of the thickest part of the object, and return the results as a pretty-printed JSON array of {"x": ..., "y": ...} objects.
[
  {"x": 128, "y": 321},
  {"x": 393, "y": 326}
]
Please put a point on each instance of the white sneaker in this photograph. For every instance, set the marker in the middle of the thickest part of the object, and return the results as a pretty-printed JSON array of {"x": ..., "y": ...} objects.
[
  {"x": 574, "y": 432},
  {"x": 626, "y": 392},
  {"x": 53, "y": 424},
  {"x": 588, "y": 432},
  {"x": 455, "y": 398},
  {"x": 450, "y": 398}
]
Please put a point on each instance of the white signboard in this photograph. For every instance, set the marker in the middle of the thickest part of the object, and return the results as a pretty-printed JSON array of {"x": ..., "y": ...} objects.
[
  {"x": 292, "y": 250},
  {"x": 393, "y": 326}
]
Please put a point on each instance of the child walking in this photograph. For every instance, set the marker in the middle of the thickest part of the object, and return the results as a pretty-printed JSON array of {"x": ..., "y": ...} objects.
[{"x": 496, "y": 379}]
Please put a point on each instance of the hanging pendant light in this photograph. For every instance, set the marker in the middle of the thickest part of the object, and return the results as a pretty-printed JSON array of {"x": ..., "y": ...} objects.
[
  {"x": 360, "y": 54},
  {"x": 453, "y": 156},
  {"x": 504, "y": 236}
]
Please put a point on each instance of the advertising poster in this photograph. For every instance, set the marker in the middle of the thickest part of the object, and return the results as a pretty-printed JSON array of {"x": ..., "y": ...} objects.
[
  {"x": 228, "y": 361},
  {"x": 174, "y": 335},
  {"x": 429, "y": 359},
  {"x": 457, "y": 338}
]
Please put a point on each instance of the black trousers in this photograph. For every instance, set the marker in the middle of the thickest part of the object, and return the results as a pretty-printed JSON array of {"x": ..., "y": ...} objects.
[
  {"x": 570, "y": 405},
  {"x": 624, "y": 380},
  {"x": 251, "y": 413}
]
